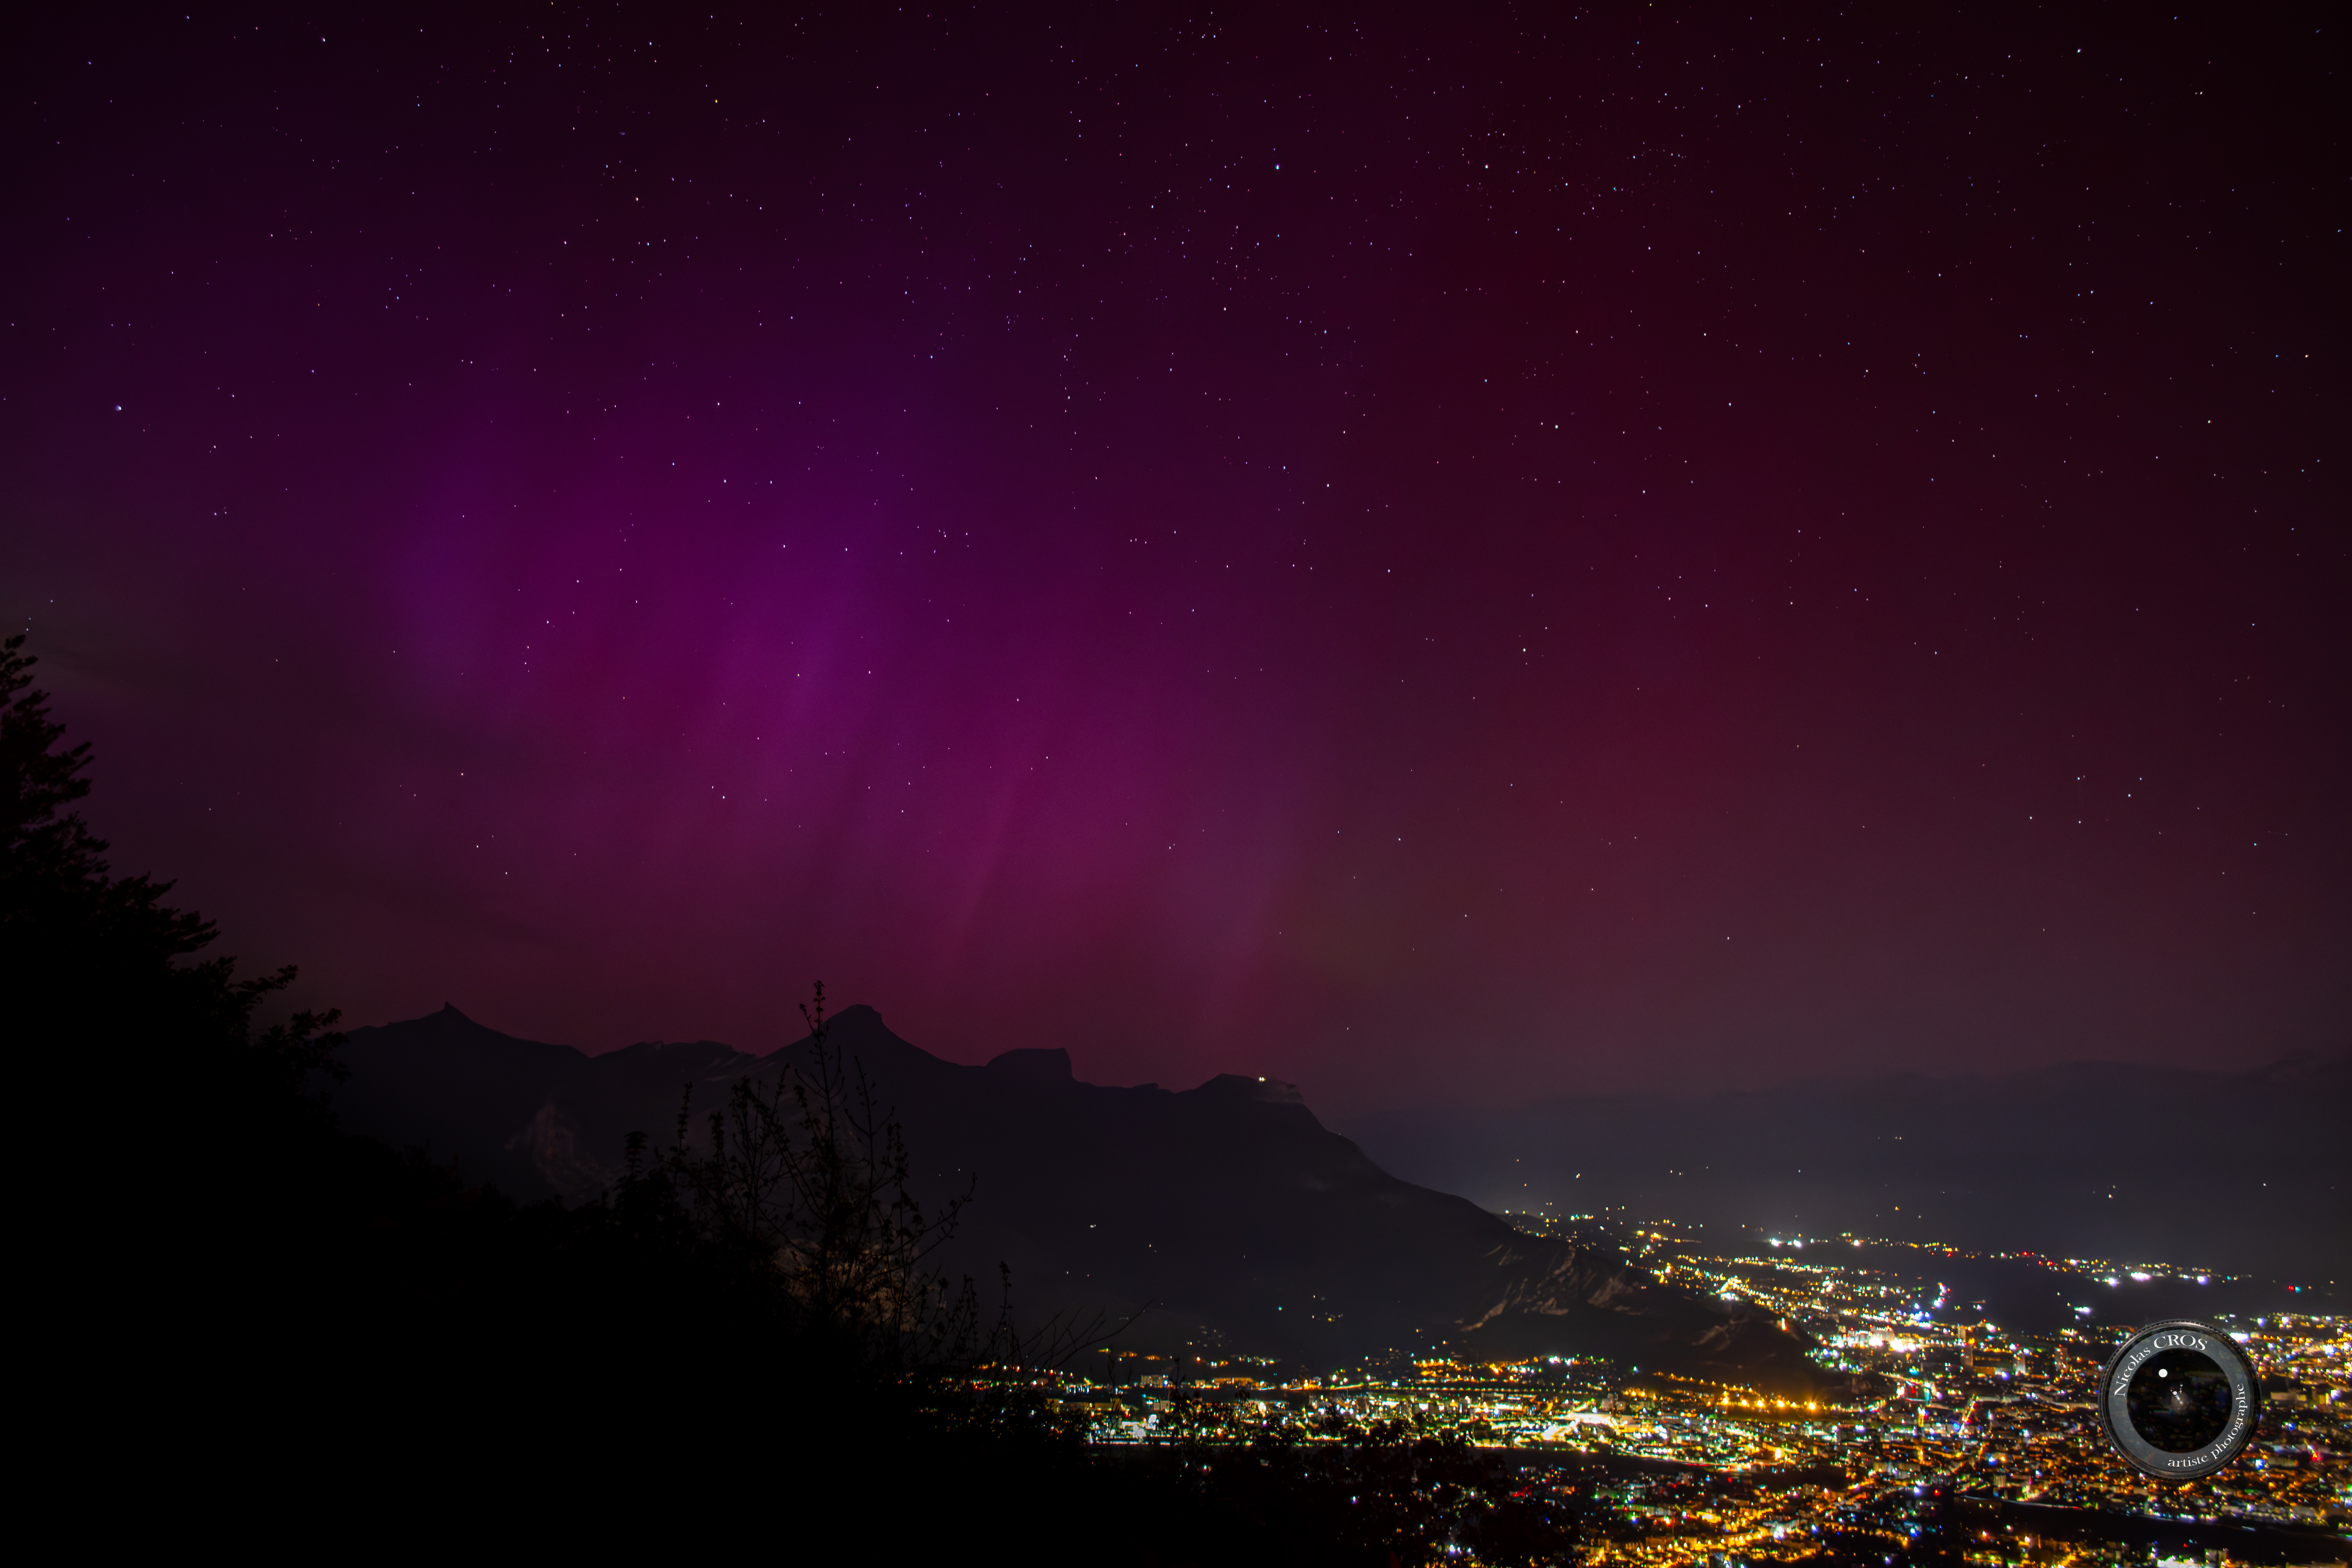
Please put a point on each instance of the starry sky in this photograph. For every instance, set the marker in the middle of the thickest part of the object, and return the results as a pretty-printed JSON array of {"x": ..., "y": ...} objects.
[{"x": 1439, "y": 553}]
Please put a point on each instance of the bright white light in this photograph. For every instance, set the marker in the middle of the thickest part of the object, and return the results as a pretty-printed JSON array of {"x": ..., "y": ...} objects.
[{"x": 2136, "y": 1274}]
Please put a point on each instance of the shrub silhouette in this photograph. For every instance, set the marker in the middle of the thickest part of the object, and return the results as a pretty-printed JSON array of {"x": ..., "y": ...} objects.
[
  {"x": 313, "y": 1339},
  {"x": 803, "y": 1184}
]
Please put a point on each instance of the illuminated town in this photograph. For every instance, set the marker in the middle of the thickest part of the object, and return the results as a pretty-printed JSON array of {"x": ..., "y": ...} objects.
[{"x": 1978, "y": 1443}]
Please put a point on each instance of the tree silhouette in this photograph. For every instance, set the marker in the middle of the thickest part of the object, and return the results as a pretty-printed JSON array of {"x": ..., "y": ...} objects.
[
  {"x": 92, "y": 960},
  {"x": 804, "y": 1181},
  {"x": 766, "y": 1310}
]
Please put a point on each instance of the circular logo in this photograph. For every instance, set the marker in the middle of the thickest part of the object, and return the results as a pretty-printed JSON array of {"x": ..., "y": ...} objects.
[{"x": 2179, "y": 1400}]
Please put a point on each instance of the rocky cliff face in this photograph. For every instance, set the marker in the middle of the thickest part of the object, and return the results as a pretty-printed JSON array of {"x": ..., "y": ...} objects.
[{"x": 1227, "y": 1209}]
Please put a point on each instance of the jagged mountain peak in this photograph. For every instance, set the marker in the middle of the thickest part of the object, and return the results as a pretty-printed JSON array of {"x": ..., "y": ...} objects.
[{"x": 1226, "y": 1207}]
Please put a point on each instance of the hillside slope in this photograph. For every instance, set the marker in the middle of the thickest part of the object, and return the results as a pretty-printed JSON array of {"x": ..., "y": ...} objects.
[{"x": 1227, "y": 1209}]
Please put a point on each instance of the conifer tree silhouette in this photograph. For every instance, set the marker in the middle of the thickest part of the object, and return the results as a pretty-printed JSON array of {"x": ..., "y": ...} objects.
[
  {"x": 313, "y": 1282},
  {"x": 89, "y": 960}
]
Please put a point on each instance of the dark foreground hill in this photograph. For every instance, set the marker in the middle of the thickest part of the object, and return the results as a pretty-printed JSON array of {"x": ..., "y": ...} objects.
[{"x": 1227, "y": 1211}]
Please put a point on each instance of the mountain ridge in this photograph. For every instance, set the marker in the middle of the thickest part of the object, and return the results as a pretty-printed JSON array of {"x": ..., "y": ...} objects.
[
  {"x": 2203, "y": 1165},
  {"x": 1228, "y": 1209}
]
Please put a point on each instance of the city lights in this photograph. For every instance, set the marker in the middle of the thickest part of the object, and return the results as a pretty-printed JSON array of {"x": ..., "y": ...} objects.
[{"x": 1966, "y": 1442}]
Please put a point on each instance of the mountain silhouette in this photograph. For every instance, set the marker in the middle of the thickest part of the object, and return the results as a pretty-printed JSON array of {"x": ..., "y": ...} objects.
[
  {"x": 1227, "y": 1210},
  {"x": 2203, "y": 1165}
]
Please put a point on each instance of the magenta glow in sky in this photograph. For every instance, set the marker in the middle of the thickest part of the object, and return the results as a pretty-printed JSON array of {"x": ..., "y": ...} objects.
[{"x": 1423, "y": 557}]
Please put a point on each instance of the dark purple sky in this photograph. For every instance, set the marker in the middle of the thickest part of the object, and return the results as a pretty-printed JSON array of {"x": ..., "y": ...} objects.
[{"x": 1431, "y": 556}]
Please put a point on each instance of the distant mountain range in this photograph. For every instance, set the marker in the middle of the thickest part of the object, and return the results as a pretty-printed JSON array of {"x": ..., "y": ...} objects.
[
  {"x": 1224, "y": 1215},
  {"x": 2234, "y": 1170}
]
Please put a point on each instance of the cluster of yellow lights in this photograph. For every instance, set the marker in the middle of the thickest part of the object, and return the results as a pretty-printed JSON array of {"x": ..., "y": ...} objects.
[{"x": 1774, "y": 1404}]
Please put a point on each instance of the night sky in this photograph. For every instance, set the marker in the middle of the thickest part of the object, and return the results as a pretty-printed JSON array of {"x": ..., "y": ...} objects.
[{"x": 1444, "y": 555}]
